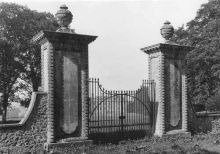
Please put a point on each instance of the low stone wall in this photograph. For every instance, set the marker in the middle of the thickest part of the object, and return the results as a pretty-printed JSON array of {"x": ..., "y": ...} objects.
[
  {"x": 207, "y": 122},
  {"x": 30, "y": 133}
]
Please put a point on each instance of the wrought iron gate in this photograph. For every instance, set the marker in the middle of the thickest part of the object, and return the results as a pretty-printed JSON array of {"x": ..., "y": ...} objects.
[{"x": 126, "y": 114}]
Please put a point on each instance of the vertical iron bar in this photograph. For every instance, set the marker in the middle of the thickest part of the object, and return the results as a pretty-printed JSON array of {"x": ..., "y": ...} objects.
[
  {"x": 93, "y": 103},
  {"x": 119, "y": 111},
  {"x": 142, "y": 99},
  {"x": 140, "y": 104},
  {"x": 110, "y": 117},
  {"x": 98, "y": 101},
  {"x": 151, "y": 105},
  {"x": 139, "y": 119},
  {"x": 139, "y": 96},
  {"x": 106, "y": 111},
  {"x": 154, "y": 105},
  {"x": 148, "y": 102},
  {"x": 102, "y": 109},
  {"x": 135, "y": 116},
  {"x": 89, "y": 106},
  {"x": 116, "y": 111},
  {"x": 130, "y": 109},
  {"x": 89, "y": 100},
  {"x": 122, "y": 131},
  {"x": 95, "y": 99},
  {"x": 133, "y": 109},
  {"x": 126, "y": 110},
  {"x": 145, "y": 102},
  {"x": 113, "y": 112},
  {"x": 94, "y": 95}
]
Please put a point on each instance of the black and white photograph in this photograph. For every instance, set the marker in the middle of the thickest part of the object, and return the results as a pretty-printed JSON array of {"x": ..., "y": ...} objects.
[{"x": 109, "y": 77}]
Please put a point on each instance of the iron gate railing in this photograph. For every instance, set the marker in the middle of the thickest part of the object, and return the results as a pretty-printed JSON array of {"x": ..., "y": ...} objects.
[{"x": 121, "y": 112}]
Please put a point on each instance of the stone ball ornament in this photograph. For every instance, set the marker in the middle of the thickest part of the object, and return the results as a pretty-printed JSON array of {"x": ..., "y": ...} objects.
[
  {"x": 167, "y": 30},
  {"x": 64, "y": 18}
]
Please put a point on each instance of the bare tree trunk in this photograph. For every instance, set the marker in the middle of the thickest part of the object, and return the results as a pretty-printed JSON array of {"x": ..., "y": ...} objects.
[
  {"x": 4, "y": 108},
  {"x": 35, "y": 86},
  {"x": 1, "y": 110},
  {"x": 35, "y": 83},
  {"x": 4, "y": 113}
]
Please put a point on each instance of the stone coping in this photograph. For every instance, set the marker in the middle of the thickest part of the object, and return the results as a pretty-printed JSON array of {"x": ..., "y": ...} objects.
[
  {"x": 27, "y": 114},
  {"x": 52, "y": 36},
  {"x": 208, "y": 114},
  {"x": 174, "y": 47}
]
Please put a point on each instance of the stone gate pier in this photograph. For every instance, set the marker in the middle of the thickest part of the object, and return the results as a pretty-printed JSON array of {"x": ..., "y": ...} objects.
[
  {"x": 64, "y": 56},
  {"x": 166, "y": 62},
  {"x": 57, "y": 117}
]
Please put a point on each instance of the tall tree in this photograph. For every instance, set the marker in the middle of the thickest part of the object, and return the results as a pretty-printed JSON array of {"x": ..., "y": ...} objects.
[
  {"x": 10, "y": 71},
  {"x": 203, "y": 32},
  {"x": 18, "y": 24}
]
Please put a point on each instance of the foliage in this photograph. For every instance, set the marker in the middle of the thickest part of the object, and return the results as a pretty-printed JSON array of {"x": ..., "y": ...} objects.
[
  {"x": 203, "y": 33},
  {"x": 18, "y": 24},
  {"x": 213, "y": 103},
  {"x": 11, "y": 69}
]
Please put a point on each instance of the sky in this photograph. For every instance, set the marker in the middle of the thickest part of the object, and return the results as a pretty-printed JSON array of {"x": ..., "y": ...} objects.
[{"x": 123, "y": 28}]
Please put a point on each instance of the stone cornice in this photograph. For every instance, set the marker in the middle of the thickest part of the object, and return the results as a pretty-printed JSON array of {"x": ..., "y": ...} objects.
[
  {"x": 165, "y": 47},
  {"x": 62, "y": 37}
]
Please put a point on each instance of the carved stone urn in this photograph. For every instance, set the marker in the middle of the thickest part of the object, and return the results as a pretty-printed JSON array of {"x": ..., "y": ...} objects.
[
  {"x": 64, "y": 18},
  {"x": 167, "y": 30}
]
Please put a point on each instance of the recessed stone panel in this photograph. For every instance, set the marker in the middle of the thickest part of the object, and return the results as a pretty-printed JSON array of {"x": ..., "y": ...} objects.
[
  {"x": 155, "y": 74},
  {"x": 45, "y": 70},
  {"x": 71, "y": 92},
  {"x": 175, "y": 91}
]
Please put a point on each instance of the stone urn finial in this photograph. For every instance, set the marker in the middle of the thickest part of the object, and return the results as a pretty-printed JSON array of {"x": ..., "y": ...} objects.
[
  {"x": 167, "y": 31},
  {"x": 64, "y": 18}
]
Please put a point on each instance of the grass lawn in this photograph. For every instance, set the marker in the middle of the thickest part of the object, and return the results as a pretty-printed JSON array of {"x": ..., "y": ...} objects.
[{"x": 197, "y": 144}]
